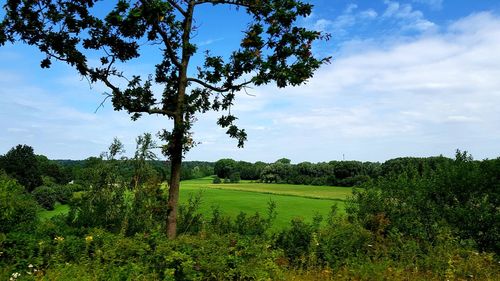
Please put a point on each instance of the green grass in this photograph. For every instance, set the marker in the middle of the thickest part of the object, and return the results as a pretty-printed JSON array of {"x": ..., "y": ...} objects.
[
  {"x": 58, "y": 209},
  {"x": 308, "y": 191},
  {"x": 292, "y": 201}
]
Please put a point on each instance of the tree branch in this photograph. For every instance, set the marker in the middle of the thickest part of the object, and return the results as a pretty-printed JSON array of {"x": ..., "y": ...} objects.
[
  {"x": 218, "y": 89},
  {"x": 168, "y": 44},
  {"x": 176, "y": 5},
  {"x": 243, "y": 3}
]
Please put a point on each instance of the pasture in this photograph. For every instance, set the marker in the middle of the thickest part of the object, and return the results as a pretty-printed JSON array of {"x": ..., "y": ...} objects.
[{"x": 292, "y": 201}]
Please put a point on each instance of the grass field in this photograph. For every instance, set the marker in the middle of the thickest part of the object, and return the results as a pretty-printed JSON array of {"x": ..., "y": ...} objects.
[
  {"x": 58, "y": 209},
  {"x": 292, "y": 201}
]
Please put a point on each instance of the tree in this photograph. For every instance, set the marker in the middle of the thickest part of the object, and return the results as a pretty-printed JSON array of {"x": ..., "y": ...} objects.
[
  {"x": 273, "y": 49},
  {"x": 224, "y": 167},
  {"x": 143, "y": 153},
  {"x": 21, "y": 164}
]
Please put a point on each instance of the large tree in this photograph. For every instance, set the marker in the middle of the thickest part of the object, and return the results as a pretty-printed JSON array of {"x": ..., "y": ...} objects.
[
  {"x": 21, "y": 164},
  {"x": 273, "y": 49}
]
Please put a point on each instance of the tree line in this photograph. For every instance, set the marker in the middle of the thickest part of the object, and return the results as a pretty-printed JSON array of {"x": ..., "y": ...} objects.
[{"x": 333, "y": 173}]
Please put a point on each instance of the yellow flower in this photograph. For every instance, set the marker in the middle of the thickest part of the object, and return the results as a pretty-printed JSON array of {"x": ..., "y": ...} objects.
[
  {"x": 89, "y": 238},
  {"x": 59, "y": 238}
]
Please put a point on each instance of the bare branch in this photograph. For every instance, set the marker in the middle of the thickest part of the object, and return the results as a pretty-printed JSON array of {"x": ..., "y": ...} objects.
[{"x": 107, "y": 96}]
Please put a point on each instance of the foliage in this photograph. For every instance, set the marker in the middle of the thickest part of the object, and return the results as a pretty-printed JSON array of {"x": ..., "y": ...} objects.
[
  {"x": 234, "y": 177},
  {"x": 224, "y": 167},
  {"x": 64, "y": 193},
  {"x": 216, "y": 180},
  {"x": 21, "y": 164},
  {"x": 53, "y": 170},
  {"x": 334, "y": 173},
  {"x": 462, "y": 194},
  {"x": 144, "y": 146},
  {"x": 387, "y": 235},
  {"x": 17, "y": 209},
  {"x": 45, "y": 196}
]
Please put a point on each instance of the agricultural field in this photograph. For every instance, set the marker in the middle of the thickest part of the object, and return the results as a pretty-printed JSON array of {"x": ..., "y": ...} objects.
[{"x": 292, "y": 201}]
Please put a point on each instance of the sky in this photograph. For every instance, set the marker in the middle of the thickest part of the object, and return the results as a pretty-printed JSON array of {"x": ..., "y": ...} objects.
[{"x": 408, "y": 78}]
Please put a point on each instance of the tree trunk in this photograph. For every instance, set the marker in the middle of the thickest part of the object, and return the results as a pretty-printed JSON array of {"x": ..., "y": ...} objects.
[
  {"x": 175, "y": 178},
  {"x": 176, "y": 144}
]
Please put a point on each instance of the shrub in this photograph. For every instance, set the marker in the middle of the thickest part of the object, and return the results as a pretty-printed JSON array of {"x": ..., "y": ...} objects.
[
  {"x": 17, "y": 209},
  {"x": 45, "y": 196},
  {"x": 234, "y": 177},
  {"x": 216, "y": 180},
  {"x": 296, "y": 242},
  {"x": 63, "y": 193}
]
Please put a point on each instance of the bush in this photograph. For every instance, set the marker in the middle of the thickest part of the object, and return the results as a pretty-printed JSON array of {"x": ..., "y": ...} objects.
[
  {"x": 45, "y": 196},
  {"x": 17, "y": 209},
  {"x": 63, "y": 193},
  {"x": 235, "y": 178},
  {"x": 296, "y": 242},
  {"x": 216, "y": 180}
]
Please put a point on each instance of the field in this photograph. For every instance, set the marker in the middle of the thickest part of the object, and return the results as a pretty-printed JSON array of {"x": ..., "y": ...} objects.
[{"x": 291, "y": 200}]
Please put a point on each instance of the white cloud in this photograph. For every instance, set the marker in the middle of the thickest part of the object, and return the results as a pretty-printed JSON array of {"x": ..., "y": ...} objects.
[
  {"x": 433, "y": 4},
  {"x": 408, "y": 17},
  {"x": 421, "y": 96},
  {"x": 348, "y": 18},
  {"x": 424, "y": 96},
  {"x": 368, "y": 14}
]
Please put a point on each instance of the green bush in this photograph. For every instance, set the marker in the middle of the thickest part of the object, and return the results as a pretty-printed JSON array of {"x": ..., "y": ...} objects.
[
  {"x": 45, "y": 196},
  {"x": 297, "y": 241},
  {"x": 63, "y": 193},
  {"x": 216, "y": 180},
  {"x": 235, "y": 177},
  {"x": 17, "y": 208}
]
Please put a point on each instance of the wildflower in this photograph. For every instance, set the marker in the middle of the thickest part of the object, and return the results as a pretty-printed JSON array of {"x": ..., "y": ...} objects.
[
  {"x": 30, "y": 265},
  {"x": 59, "y": 238},
  {"x": 14, "y": 276},
  {"x": 89, "y": 238}
]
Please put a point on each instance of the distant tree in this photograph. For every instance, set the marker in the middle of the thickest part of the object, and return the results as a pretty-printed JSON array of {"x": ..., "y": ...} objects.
[
  {"x": 273, "y": 49},
  {"x": 283, "y": 161},
  {"x": 235, "y": 177},
  {"x": 21, "y": 164},
  {"x": 224, "y": 167},
  {"x": 53, "y": 170}
]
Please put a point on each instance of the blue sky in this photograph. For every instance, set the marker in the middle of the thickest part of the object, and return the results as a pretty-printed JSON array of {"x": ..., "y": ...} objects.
[{"x": 409, "y": 78}]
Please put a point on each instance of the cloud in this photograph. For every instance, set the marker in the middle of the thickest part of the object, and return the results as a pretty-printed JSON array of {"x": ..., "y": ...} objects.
[
  {"x": 407, "y": 16},
  {"x": 433, "y": 4},
  {"x": 420, "y": 95},
  {"x": 350, "y": 17}
]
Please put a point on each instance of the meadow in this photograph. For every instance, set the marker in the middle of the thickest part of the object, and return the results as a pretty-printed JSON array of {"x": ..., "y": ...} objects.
[{"x": 292, "y": 201}]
